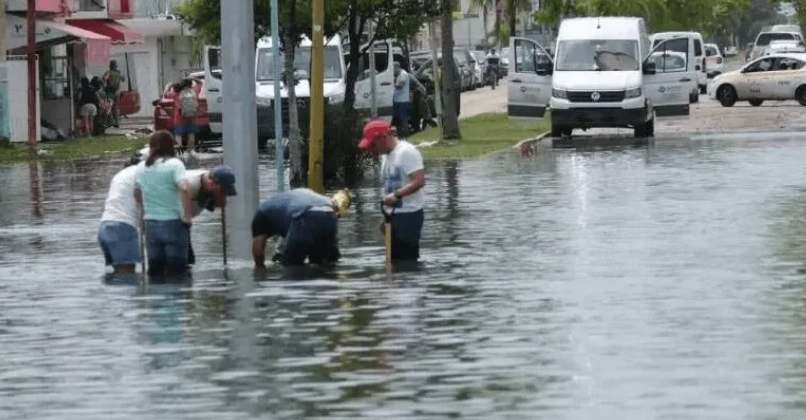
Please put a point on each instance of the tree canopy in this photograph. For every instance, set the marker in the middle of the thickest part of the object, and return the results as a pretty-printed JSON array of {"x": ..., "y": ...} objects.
[{"x": 714, "y": 18}]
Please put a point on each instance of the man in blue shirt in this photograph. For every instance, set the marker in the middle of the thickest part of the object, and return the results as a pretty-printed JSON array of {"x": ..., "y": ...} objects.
[{"x": 306, "y": 223}]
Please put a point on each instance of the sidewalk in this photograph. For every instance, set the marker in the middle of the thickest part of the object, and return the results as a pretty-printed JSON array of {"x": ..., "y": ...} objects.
[{"x": 484, "y": 100}]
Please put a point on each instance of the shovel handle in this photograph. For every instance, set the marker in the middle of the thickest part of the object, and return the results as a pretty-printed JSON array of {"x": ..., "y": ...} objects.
[{"x": 387, "y": 214}]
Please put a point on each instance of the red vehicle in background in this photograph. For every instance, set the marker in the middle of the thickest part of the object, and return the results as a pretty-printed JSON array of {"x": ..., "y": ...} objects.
[{"x": 164, "y": 107}]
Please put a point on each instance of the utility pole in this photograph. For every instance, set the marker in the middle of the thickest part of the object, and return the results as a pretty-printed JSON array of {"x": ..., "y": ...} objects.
[
  {"x": 240, "y": 119},
  {"x": 3, "y": 44},
  {"x": 32, "y": 114},
  {"x": 315, "y": 158},
  {"x": 373, "y": 91},
  {"x": 278, "y": 103},
  {"x": 435, "y": 68}
]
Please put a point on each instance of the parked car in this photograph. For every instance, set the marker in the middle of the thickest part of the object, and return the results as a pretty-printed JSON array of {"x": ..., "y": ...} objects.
[
  {"x": 164, "y": 107},
  {"x": 715, "y": 63},
  {"x": 731, "y": 51},
  {"x": 783, "y": 46},
  {"x": 775, "y": 77}
]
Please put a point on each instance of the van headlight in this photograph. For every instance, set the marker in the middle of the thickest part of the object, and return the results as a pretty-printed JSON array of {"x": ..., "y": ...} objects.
[
  {"x": 559, "y": 93},
  {"x": 263, "y": 101},
  {"x": 632, "y": 93}
]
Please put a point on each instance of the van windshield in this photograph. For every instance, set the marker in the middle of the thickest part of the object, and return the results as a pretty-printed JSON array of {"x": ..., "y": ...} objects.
[
  {"x": 765, "y": 38},
  {"x": 598, "y": 55},
  {"x": 302, "y": 61}
]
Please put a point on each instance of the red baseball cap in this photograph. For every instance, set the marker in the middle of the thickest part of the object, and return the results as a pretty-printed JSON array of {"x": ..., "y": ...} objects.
[{"x": 372, "y": 131}]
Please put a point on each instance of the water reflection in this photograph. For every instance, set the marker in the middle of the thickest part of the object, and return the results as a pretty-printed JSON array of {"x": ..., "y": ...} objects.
[{"x": 620, "y": 282}]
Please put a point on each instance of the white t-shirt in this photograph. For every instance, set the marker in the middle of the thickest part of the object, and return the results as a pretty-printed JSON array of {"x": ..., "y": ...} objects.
[
  {"x": 396, "y": 167},
  {"x": 120, "y": 205},
  {"x": 193, "y": 178}
]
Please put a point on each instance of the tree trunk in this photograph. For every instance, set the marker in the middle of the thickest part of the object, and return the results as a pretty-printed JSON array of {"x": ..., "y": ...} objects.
[
  {"x": 512, "y": 14},
  {"x": 486, "y": 23},
  {"x": 353, "y": 58},
  {"x": 296, "y": 175},
  {"x": 498, "y": 18},
  {"x": 450, "y": 91}
]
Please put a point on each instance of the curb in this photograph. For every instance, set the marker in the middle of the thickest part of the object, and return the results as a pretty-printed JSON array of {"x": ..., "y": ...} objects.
[{"x": 533, "y": 140}]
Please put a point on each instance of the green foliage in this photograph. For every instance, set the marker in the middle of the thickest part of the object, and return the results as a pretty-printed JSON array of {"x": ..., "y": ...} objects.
[{"x": 714, "y": 18}]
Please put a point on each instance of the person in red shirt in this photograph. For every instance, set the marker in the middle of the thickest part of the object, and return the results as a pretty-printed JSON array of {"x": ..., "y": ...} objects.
[{"x": 185, "y": 121}]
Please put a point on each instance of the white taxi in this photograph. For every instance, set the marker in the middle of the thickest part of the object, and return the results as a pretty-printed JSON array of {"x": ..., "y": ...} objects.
[{"x": 775, "y": 77}]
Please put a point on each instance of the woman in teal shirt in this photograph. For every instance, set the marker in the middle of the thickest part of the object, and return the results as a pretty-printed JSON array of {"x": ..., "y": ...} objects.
[{"x": 166, "y": 205}]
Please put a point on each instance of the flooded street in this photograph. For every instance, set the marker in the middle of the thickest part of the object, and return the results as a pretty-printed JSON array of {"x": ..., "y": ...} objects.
[{"x": 656, "y": 282}]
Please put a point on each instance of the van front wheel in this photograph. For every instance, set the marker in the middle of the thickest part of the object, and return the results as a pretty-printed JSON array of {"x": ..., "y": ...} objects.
[{"x": 645, "y": 130}]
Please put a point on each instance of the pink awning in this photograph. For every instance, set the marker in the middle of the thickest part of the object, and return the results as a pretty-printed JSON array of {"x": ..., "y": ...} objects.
[
  {"x": 98, "y": 47},
  {"x": 119, "y": 34}
]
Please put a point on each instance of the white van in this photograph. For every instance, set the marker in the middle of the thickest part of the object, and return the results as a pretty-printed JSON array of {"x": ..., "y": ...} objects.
[
  {"x": 386, "y": 51},
  {"x": 701, "y": 65},
  {"x": 604, "y": 75},
  {"x": 212, "y": 87}
]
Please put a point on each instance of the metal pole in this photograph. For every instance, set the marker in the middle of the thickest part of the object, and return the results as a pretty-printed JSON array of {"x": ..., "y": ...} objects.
[
  {"x": 3, "y": 44},
  {"x": 437, "y": 91},
  {"x": 373, "y": 90},
  {"x": 278, "y": 103},
  {"x": 32, "y": 114},
  {"x": 469, "y": 25},
  {"x": 315, "y": 160},
  {"x": 240, "y": 119}
]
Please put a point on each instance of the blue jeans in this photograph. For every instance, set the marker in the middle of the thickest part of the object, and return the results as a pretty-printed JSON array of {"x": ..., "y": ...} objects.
[
  {"x": 312, "y": 236},
  {"x": 406, "y": 231},
  {"x": 167, "y": 243},
  {"x": 119, "y": 243},
  {"x": 401, "y": 115}
]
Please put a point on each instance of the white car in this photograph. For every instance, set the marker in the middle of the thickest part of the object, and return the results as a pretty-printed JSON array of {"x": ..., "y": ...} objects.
[
  {"x": 715, "y": 63},
  {"x": 783, "y": 46},
  {"x": 776, "y": 77}
]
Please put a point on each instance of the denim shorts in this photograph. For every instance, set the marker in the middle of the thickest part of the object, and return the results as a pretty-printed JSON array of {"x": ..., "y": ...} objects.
[
  {"x": 119, "y": 242},
  {"x": 184, "y": 129},
  {"x": 406, "y": 231},
  {"x": 167, "y": 243}
]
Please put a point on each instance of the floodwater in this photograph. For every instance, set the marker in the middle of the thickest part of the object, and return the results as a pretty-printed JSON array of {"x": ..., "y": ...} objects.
[{"x": 655, "y": 282}]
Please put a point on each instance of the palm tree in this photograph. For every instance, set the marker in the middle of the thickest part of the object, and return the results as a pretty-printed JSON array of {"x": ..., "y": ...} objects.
[{"x": 504, "y": 9}]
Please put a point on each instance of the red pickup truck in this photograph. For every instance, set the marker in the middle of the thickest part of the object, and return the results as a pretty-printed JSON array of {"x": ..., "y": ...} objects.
[{"x": 164, "y": 107}]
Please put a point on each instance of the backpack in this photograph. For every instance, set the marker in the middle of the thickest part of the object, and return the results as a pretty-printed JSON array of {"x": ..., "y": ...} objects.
[
  {"x": 112, "y": 81},
  {"x": 188, "y": 103}
]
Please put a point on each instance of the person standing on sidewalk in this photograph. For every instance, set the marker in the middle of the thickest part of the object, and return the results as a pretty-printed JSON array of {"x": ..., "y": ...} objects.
[
  {"x": 163, "y": 195},
  {"x": 112, "y": 80},
  {"x": 186, "y": 109},
  {"x": 403, "y": 176},
  {"x": 401, "y": 100}
]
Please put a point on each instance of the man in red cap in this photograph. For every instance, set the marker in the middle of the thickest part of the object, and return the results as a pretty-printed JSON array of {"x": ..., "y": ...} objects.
[{"x": 403, "y": 176}]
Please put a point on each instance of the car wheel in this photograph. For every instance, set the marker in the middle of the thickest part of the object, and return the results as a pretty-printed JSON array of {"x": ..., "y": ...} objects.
[
  {"x": 726, "y": 95},
  {"x": 756, "y": 102},
  {"x": 800, "y": 95},
  {"x": 557, "y": 131}
]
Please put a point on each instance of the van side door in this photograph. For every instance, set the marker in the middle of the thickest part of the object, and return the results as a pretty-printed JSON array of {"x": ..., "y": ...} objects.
[
  {"x": 669, "y": 85},
  {"x": 212, "y": 87},
  {"x": 529, "y": 87},
  {"x": 384, "y": 79}
]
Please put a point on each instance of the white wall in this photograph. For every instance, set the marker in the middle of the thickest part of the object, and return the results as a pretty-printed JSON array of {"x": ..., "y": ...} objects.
[{"x": 18, "y": 95}]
